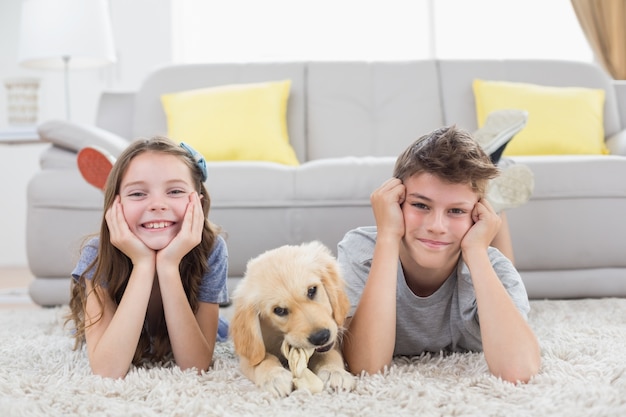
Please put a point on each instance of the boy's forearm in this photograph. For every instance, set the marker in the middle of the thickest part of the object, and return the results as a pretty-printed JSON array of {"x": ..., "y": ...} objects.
[
  {"x": 509, "y": 344},
  {"x": 370, "y": 339}
]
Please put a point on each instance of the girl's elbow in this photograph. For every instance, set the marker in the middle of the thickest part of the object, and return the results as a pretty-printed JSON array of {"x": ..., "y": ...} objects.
[
  {"x": 108, "y": 372},
  {"x": 200, "y": 368},
  {"x": 200, "y": 365}
]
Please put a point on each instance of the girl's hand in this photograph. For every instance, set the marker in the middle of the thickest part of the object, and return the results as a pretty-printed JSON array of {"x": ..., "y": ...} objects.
[
  {"x": 123, "y": 238},
  {"x": 387, "y": 206},
  {"x": 486, "y": 226},
  {"x": 190, "y": 233}
]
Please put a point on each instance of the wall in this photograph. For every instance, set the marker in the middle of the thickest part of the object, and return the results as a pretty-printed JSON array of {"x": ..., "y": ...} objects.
[{"x": 142, "y": 32}]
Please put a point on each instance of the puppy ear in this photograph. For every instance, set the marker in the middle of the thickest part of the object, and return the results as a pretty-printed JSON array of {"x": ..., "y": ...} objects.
[
  {"x": 246, "y": 333},
  {"x": 334, "y": 286}
]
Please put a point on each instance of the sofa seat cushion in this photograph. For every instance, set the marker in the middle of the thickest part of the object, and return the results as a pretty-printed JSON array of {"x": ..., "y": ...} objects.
[
  {"x": 250, "y": 184},
  {"x": 564, "y": 226},
  {"x": 577, "y": 176},
  {"x": 341, "y": 181}
]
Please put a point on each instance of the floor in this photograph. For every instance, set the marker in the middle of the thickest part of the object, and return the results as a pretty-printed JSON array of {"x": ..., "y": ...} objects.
[{"x": 14, "y": 282}]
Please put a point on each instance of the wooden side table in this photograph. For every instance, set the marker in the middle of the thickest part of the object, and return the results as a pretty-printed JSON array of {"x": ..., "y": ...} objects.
[{"x": 19, "y": 135}]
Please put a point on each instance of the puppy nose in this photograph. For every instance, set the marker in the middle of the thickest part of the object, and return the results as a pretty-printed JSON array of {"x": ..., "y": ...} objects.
[{"x": 320, "y": 337}]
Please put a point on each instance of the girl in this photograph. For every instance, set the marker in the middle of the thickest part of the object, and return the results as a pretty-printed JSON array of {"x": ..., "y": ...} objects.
[{"x": 149, "y": 287}]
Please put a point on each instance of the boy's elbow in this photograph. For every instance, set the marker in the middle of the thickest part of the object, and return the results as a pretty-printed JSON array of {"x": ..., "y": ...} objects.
[
  {"x": 370, "y": 367},
  {"x": 520, "y": 373},
  {"x": 370, "y": 361}
]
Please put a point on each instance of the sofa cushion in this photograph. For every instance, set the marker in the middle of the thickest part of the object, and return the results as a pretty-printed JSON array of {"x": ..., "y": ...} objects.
[
  {"x": 568, "y": 176},
  {"x": 341, "y": 181},
  {"x": 456, "y": 77},
  {"x": 233, "y": 122},
  {"x": 75, "y": 136},
  {"x": 250, "y": 184},
  {"x": 149, "y": 117},
  {"x": 561, "y": 120},
  {"x": 370, "y": 108}
]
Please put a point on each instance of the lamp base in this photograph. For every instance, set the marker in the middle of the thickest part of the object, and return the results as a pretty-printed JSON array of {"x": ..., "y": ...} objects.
[{"x": 66, "y": 74}]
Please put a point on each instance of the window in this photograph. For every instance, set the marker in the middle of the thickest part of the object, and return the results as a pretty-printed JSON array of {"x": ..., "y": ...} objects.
[{"x": 287, "y": 30}]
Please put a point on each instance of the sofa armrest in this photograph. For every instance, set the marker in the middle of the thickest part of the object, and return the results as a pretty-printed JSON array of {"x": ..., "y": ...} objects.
[
  {"x": 619, "y": 86},
  {"x": 617, "y": 143},
  {"x": 75, "y": 136}
]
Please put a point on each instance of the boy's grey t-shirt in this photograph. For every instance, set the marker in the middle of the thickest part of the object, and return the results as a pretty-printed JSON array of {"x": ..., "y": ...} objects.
[{"x": 446, "y": 320}]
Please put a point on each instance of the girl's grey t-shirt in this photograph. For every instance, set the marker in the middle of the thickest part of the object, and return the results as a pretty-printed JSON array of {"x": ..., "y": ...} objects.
[
  {"x": 448, "y": 319},
  {"x": 213, "y": 287}
]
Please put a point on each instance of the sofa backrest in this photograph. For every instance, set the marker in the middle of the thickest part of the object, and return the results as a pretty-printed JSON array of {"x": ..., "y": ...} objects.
[
  {"x": 149, "y": 117},
  {"x": 339, "y": 109},
  {"x": 369, "y": 108},
  {"x": 456, "y": 78}
]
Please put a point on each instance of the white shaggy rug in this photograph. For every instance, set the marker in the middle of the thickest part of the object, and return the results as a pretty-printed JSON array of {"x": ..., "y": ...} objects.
[{"x": 583, "y": 374}]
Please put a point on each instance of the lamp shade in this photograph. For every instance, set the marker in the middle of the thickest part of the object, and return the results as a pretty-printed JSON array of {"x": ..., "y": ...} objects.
[{"x": 56, "y": 33}]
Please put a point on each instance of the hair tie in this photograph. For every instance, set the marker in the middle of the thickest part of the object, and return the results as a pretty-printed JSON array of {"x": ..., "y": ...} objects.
[{"x": 198, "y": 158}]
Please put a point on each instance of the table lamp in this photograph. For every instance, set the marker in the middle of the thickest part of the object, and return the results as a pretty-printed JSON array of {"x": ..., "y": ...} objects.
[{"x": 64, "y": 35}]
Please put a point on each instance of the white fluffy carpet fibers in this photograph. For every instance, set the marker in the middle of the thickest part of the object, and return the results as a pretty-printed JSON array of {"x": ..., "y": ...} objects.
[{"x": 583, "y": 374}]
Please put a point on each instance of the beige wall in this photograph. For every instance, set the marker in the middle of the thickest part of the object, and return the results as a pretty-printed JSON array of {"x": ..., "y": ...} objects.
[{"x": 142, "y": 33}]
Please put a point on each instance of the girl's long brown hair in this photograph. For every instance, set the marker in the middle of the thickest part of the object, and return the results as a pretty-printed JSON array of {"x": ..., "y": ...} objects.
[{"x": 111, "y": 268}]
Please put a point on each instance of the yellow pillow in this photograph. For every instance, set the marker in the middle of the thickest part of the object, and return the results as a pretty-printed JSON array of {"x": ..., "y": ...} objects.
[
  {"x": 233, "y": 122},
  {"x": 561, "y": 120}
]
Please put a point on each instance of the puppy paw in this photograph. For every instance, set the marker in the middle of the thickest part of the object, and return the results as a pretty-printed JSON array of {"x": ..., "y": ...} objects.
[
  {"x": 337, "y": 379},
  {"x": 278, "y": 381}
]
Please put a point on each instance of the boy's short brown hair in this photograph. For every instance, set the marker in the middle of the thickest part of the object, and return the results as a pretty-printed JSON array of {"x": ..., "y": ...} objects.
[{"x": 450, "y": 154}]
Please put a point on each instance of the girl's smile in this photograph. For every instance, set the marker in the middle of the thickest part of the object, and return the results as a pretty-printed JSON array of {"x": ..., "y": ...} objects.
[{"x": 158, "y": 225}]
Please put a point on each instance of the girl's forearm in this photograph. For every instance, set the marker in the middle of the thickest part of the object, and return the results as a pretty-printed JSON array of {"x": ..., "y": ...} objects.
[
  {"x": 112, "y": 341},
  {"x": 192, "y": 347}
]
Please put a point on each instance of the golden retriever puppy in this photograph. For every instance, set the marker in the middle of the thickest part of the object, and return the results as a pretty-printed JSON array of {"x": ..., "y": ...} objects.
[{"x": 292, "y": 293}]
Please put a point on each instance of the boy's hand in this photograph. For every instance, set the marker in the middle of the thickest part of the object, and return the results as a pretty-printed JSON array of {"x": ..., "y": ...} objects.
[
  {"x": 190, "y": 233},
  {"x": 387, "y": 206},
  {"x": 123, "y": 238},
  {"x": 486, "y": 226}
]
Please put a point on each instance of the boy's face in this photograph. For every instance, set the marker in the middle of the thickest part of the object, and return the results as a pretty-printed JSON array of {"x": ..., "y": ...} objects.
[{"x": 437, "y": 215}]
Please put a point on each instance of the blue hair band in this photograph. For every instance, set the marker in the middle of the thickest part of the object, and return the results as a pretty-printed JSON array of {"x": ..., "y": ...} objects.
[{"x": 197, "y": 156}]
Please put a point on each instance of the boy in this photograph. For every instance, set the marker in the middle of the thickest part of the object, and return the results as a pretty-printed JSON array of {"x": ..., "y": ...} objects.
[{"x": 425, "y": 278}]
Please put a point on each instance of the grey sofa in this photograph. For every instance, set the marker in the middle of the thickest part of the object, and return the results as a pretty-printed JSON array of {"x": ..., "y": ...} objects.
[{"x": 347, "y": 121}]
